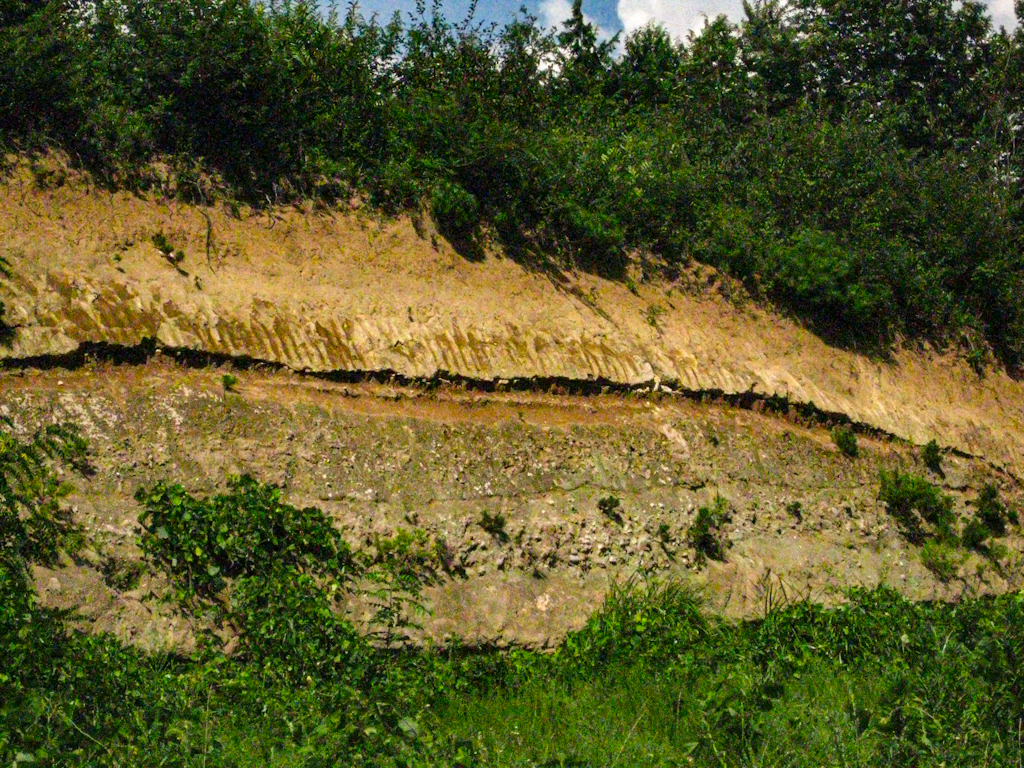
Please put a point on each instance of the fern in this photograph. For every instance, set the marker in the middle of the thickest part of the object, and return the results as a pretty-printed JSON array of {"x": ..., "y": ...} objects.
[{"x": 34, "y": 524}]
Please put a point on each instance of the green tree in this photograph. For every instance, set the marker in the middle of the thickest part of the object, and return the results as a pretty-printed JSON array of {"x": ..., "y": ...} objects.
[
  {"x": 717, "y": 99},
  {"x": 648, "y": 74},
  {"x": 920, "y": 67},
  {"x": 523, "y": 49},
  {"x": 772, "y": 53},
  {"x": 584, "y": 61},
  {"x": 37, "y": 74}
]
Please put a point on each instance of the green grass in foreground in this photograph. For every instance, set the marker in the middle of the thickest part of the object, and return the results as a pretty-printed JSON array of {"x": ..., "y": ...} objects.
[{"x": 651, "y": 680}]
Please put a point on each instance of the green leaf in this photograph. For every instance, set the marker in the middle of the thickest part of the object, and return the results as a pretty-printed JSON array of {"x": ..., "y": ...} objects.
[{"x": 409, "y": 727}]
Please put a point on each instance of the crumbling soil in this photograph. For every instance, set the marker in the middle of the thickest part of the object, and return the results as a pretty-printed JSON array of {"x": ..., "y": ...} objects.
[
  {"x": 526, "y": 392},
  {"x": 379, "y": 457},
  {"x": 346, "y": 291}
]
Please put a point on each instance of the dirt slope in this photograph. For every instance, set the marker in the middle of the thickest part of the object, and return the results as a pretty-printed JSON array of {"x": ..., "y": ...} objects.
[
  {"x": 334, "y": 292},
  {"x": 347, "y": 292},
  {"x": 379, "y": 457}
]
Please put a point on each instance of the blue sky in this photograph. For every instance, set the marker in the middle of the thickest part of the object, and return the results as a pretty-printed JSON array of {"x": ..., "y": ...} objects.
[{"x": 678, "y": 16}]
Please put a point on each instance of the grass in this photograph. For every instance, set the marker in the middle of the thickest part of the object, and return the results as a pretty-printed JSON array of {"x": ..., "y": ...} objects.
[
  {"x": 628, "y": 717},
  {"x": 879, "y": 681},
  {"x": 652, "y": 680},
  {"x": 941, "y": 559}
]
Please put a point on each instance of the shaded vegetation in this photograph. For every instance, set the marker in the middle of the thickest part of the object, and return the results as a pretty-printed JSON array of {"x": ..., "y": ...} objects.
[
  {"x": 859, "y": 164},
  {"x": 932, "y": 456},
  {"x": 846, "y": 441}
]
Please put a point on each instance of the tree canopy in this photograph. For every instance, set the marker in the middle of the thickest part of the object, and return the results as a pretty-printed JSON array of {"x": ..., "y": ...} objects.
[{"x": 858, "y": 163}]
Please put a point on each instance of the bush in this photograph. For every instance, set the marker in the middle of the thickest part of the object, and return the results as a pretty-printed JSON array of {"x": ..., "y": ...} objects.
[
  {"x": 846, "y": 441},
  {"x": 397, "y": 571},
  {"x": 598, "y": 239},
  {"x": 991, "y": 510},
  {"x": 932, "y": 457},
  {"x": 34, "y": 524},
  {"x": 831, "y": 284},
  {"x": 287, "y": 627},
  {"x": 707, "y": 534},
  {"x": 455, "y": 210},
  {"x": 245, "y": 532},
  {"x": 906, "y": 494},
  {"x": 651, "y": 623}
]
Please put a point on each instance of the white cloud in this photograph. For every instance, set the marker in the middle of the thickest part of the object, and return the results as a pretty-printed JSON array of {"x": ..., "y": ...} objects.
[
  {"x": 677, "y": 16},
  {"x": 1002, "y": 13},
  {"x": 681, "y": 16},
  {"x": 553, "y": 12}
]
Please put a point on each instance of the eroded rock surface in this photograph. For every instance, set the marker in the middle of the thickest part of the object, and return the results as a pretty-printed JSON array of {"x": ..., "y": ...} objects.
[
  {"x": 378, "y": 458},
  {"x": 346, "y": 292}
]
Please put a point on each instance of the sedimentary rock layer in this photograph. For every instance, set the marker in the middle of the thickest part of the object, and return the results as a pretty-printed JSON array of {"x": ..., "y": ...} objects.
[{"x": 346, "y": 292}]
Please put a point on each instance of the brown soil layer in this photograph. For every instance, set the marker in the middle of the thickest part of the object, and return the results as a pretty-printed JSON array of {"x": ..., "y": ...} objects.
[
  {"x": 331, "y": 291},
  {"x": 344, "y": 295}
]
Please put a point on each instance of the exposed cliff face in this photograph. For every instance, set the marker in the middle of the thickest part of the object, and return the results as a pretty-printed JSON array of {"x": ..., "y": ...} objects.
[
  {"x": 805, "y": 519},
  {"x": 346, "y": 293}
]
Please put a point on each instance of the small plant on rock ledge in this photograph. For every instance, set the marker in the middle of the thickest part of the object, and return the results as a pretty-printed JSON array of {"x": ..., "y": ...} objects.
[
  {"x": 974, "y": 535},
  {"x": 610, "y": 506},
  {"x": 941, "y": 558},
  {"x": 991, "y": 510},
  {"x": 932, "y": 457},
  {"x": 173, "y": 256},
  {"x": 796, "y": 511},
  {"x": 846, "y": 441},
  {"x": 5, "y": 271},
  {"x": 494, "y": 525},
  {"x": 120, "y": 574},
  {"x": 664, "y": 533},
  {"x": 912, "y": 500},
  {"x": 707, "y": 534}
]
